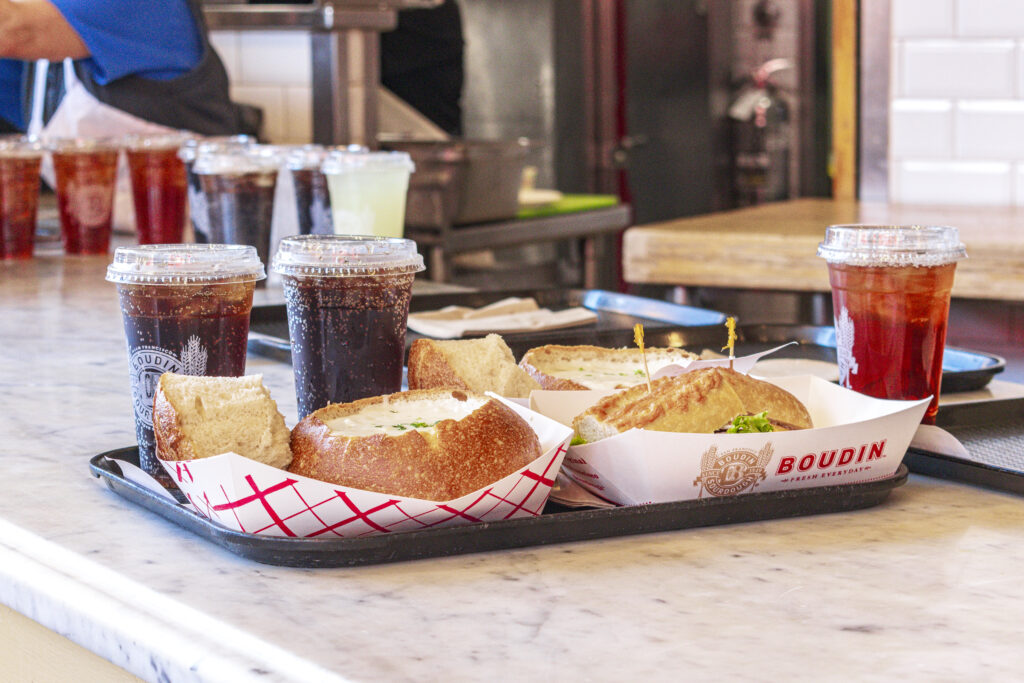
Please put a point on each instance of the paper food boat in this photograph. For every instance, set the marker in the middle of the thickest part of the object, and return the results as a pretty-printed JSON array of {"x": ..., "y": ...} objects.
[
  {"x": 856, "y": 439},
  {"x": 251, "y": 497}
]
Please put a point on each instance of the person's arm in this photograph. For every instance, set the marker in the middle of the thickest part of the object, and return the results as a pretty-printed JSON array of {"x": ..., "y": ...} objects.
[{"x": 35, "y": 29}]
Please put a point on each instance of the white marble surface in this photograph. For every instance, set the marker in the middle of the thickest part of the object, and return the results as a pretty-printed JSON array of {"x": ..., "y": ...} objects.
[{"x": 926, "y": 586}]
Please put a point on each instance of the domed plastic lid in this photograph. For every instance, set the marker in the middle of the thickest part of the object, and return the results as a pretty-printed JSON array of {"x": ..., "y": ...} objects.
[
  {"x": 310, "y": 157},
  {"x": 20, "y": 147},
  {"x": 345, "y": 256},
  {"x": 348, "y": 161},
  {"x": 193, "y": 146},
  {"x": 237, "y": 160},
  {"x": 891, "y": 245},
  {"x": 82, "y": 145},
  {"x": 183, "y": 264},
  {"x": 159, "y": 141}
]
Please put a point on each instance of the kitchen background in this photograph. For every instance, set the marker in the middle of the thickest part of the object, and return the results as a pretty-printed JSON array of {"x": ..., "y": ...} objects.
[{"x": 941, "y": 122}]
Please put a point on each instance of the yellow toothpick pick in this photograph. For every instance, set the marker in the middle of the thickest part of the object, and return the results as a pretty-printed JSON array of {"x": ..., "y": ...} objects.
[
  {"x": 638, "y": 337},
  {"x": 730, "y": 324}
]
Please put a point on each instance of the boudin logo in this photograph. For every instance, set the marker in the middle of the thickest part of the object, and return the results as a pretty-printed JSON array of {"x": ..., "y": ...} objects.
[
  {"x": 147, "y": 363},
  {"x": 90, "y": 204},
  {"x": 732, "y": 472}
]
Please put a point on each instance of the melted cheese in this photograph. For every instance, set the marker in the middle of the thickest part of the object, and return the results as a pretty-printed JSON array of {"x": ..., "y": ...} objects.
[
  {"x": 604, "y": 375},
  {"x": 402, "y": 417}
]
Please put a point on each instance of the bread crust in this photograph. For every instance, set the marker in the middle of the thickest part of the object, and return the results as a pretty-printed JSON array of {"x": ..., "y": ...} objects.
[
  {"x": 537, "y": 359},
  {"x": 458, "y": 458},
  {"x": 695, "y": 402},
  {"x": 429, "y": 368},
  {"x": 171, "y": 444}
]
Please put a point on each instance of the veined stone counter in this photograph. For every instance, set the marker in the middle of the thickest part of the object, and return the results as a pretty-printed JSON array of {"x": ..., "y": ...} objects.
[{"x": 926, "y": 586}]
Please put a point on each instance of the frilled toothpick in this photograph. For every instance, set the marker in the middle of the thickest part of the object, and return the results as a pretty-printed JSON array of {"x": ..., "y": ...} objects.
[
  {"x": 638, "y": 337},
  {"x": 730, "y": 323}
]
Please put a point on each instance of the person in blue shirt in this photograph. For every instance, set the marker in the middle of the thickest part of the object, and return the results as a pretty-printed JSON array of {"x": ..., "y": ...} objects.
[{"x": 126, "y": 60}]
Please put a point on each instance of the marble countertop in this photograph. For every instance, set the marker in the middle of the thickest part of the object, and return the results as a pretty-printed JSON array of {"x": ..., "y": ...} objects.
[
  {"x": 926, "y": 586},
  {"x": 774, "y": 246}
]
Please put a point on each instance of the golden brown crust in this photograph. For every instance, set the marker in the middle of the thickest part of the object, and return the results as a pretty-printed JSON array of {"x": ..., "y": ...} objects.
[
  {"x": 536, "y": 360},
  {"x": 695, "y": 402},
  {"x": 429, "y": 369},
  {"x": 458, "y": 458},
  {"x": 171, "y": 444}
]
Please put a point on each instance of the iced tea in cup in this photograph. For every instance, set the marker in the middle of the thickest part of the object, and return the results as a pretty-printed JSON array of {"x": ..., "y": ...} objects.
[
  {"x": 185, "y": 309},
  {"x": 159, "y": 188},
  {"x": 312, "y": 200},
  {"x": 890, "y": 292},
  {"x": 347, "y": 301},
  {"x": 238, "y": 187},
  {"x": 86, "y": 173},
  {"x": 20, "y": 158},
  {"x": 368, "y": 191},
  {"x": 196, "y": 201}
]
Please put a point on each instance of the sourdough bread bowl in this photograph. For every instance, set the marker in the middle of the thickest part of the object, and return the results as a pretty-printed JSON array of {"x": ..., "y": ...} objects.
[
  {"x": 479, "y": 365},
  {"x": 434, "y": 444},
  {"x": 562, "y": 368},
  {"x": 698, "y": 402},
  {"x": 198, "y": 417}
]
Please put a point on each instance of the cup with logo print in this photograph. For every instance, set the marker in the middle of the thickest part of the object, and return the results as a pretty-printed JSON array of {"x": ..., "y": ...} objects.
[
  {"x": 890, "y": 290},
  {"x": 185, "y": 309},
  {"x": 20, "y": 158},
  {"x": 86, "y": 174},
  {"x": 159, "y": 189}
]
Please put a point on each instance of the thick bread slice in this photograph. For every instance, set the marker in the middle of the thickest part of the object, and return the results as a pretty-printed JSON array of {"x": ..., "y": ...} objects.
[
  {"x": 394, "y": 445},
  {"x": 593, "y": 367},
  {"x": 196, "y": 417},
  {"x": 696, "y": 402},
  {"x": 479, "y": 365}
]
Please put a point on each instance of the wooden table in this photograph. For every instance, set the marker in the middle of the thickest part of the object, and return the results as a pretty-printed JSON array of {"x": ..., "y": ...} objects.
[{"x": 773, "y": 246}]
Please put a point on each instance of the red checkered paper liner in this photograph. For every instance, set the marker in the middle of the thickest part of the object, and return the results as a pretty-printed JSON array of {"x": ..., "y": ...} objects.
[
  {"x": 255, "y": 498},
  {"x": 855, "y": 439}
]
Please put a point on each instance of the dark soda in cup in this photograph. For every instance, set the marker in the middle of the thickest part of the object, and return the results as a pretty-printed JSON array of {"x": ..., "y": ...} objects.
[
  {"x": 238, "y": 187},
  {"x": 186, "y": 310},
  {"x": 86, "y": 174},
  {"x": 20, "y": 159},
  {"x": 347, "y": 301},
  {"x": 312, "y": 200},
  {"x": 188, "y": 152},
  {"x": 159, "y": 188},
  {"x": 890, "y": 290}
]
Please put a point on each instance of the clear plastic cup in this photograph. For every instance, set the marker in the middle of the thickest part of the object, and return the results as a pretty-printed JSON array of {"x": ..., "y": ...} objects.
[
  {"x": 186, "y": 310},
  {"x": 890, "y": 290},
  {"x": 196, "y": 201},
  {"x": 368, "y": 191},
  {"x": 20, "y": 158},
  {"x": 86, "y": 174},
  {"x": 159, "y": 186},
  {"x": 347, "y": 301},
  {"x": 238, "y": 187},
  {"x": 312, "y": 200}
]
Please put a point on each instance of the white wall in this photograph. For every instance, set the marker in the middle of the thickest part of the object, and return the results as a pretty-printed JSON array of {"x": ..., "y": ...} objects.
[
  {"x": 956, "y": 126},
  {"x": 271, "y": 69}
]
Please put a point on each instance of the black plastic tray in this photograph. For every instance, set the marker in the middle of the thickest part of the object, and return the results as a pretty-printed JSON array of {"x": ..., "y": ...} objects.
[
  {"x": 616, "y": 315},
  {"x": 993, "y": 434},
  {"x": 556, "y": 525}
]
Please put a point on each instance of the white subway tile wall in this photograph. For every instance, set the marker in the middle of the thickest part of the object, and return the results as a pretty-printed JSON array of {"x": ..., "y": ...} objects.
[
  {"x": 271, "y": 69},
  {"x": 956, "y": 133}
]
